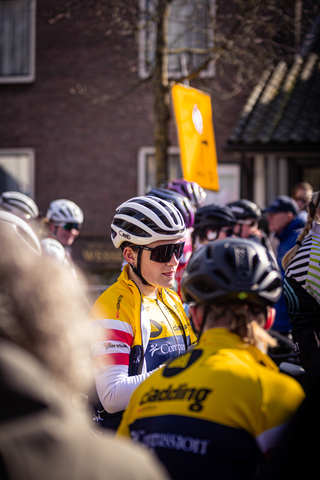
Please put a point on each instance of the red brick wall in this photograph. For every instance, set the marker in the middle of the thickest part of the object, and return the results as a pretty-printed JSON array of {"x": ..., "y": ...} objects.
[{"x": 86, "y": 150}]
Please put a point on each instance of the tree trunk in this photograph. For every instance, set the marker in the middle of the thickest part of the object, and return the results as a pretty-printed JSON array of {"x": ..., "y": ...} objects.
[{"x": 162, "y": 94}]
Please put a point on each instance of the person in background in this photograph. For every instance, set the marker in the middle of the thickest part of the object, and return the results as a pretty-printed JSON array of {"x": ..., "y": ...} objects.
[
  {"x": 302, "y": 293},
  {"x": 45, "y": 370},
  {"x": 223, "y": 405},
  {"x": 187, "y": 210},
  {"x": 54, "y": 249},
  {"x": 140, "y": 319},
  {"x": 15, "y": 225},
  {"x": 23, "y": 206},
  {"x": 284, "y": 221},
  {"x": 211, "y": 223},
  {"x": 19, "y": 204},
  {"x": 64, "y": 220},
  {"x": 248, "y": 215},
  {"x": 302, "y": 193}
]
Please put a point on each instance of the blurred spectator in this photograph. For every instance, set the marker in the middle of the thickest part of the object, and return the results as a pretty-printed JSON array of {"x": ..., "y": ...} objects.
[
  {"x": 302, "y": 293},
  {"x": 45, "y": 369},
  {"x": 302, "y": 193},
  {"x": 284, "y": 221}
]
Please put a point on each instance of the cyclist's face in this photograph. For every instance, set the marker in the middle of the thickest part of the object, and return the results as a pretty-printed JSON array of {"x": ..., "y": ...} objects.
[
  {"x": 247, "y": 230},
  {"x": 224, "y": 232},
  {"x": 159, "y": 274},
  {"x": 66, "y": 237}
]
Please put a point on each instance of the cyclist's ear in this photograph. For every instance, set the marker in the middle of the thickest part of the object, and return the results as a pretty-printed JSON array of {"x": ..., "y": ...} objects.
[
  {"x": 130, "y": 256},
  {"x": 197, "y": 315}
]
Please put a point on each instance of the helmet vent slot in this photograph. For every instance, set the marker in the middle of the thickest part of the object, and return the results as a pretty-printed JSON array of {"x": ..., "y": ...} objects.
[
  {"x": 202, "y": 286},
  {"x": 274, "y": 285},
  {"x": 242, "y": 263},
  {"x": 222, "y": 276}
]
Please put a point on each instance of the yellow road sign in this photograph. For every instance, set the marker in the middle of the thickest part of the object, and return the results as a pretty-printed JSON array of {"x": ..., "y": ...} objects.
[{"x": 193, "y": 115}]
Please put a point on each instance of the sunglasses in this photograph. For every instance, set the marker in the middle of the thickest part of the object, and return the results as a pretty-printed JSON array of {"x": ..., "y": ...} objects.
[
  {"x": 250, "y": 223},
  {"x": 71, "y": 226},
  {"x": 163, "y": 253}
]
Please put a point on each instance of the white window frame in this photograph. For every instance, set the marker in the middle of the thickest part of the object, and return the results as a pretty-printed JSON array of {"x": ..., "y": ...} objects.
[
  {"x": 29, "y": 76},
  {"x": 146, "y": 36},
  {"x": 25, "y": 174},
  {"x": 230, "y": 184},
  {"x": 147, "y": 179},
  {"x": 229, "y": 176}
]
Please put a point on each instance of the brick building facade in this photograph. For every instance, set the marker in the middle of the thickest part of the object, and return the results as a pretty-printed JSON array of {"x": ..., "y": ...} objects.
[{"x": 84, "y": 130}]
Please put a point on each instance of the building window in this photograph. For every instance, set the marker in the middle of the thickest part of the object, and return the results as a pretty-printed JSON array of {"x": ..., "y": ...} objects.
[
  {"x": 190, "y": 38},
  {"x": 229, "y": 175},
  {"x": 17, "y": 41},
  {"x": 147, "y": 167},
  {"x": 17, "y": 171}
]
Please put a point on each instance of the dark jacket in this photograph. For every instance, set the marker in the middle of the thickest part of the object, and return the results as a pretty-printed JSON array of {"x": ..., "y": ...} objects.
[{"x": 287, "y": 238}]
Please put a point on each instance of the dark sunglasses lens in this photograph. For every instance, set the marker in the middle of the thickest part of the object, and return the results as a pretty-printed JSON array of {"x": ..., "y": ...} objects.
[
  {"x": 179, "y": 250},
  {"x": 71, "y": 226},
  {"x": 163, "y": 253}
]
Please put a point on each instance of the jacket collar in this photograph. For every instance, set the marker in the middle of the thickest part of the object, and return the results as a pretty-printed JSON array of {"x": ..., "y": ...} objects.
[{"x": 295, "y": 225}]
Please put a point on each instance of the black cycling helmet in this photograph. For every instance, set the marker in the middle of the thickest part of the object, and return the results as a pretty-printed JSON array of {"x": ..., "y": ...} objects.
[
  {"x": 232, "y": 270},
  {"x": 244, "y": 209},
  {"x": 179, "y": 201},
  {"x": 212, "y": 217}
]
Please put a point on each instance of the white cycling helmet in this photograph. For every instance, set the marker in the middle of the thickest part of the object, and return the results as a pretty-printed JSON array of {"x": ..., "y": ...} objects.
[
  {"x": 19, "y": 204},
  {"x": 53, "y": 248},
  {"x": 21, "y": 228},
  {"x": 147, "y": 219},
  {"x": 64, "y": 211}
]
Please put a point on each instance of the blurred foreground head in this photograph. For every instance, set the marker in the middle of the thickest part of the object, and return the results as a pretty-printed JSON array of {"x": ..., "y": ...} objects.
[
  {"x": 42, "y": 310},
  {"x": 44, "y": 360}
]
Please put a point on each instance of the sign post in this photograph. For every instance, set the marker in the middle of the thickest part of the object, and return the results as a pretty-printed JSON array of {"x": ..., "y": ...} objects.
[{"x": 193, "y": 114}]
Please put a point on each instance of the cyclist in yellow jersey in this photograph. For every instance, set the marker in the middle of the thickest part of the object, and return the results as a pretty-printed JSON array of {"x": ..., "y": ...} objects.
[
  {"x": 139, "y": 320},
  {"x": 224, "y": 404}
]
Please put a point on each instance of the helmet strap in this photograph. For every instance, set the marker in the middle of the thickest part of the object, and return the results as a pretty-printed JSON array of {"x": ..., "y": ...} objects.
[
  {"x": 137, "y": 269},
  {"x": 206, "y": 310}
]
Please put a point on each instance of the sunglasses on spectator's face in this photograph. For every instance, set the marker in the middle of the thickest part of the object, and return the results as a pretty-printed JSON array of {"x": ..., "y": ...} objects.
[
  {"x": 163, "y": 253},
  {"x": 71, "y": 226}
]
